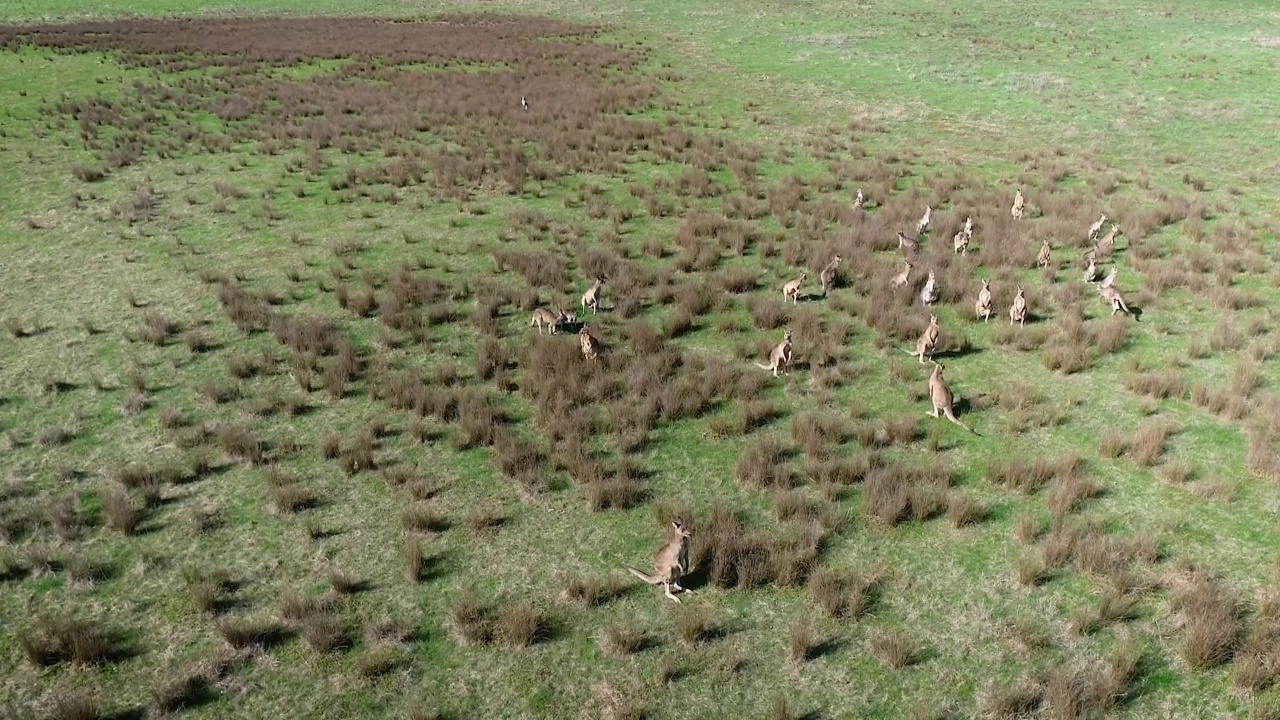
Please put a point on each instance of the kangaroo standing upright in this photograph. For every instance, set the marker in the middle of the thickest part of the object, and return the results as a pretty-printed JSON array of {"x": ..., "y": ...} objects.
[
  {"x": 780, "y": 356},
  {"x": 828, "y": 275},
  {"x": 670, "y": 564},
  {"x": 942, "y": 399},
  {"x": 982, "y": 308},
  {"x": 591, "y": 298},
  {"x": 1018, "y": 311},
  {"x": 1019, "y": 205},
  {"x": 791, "y": 289}
]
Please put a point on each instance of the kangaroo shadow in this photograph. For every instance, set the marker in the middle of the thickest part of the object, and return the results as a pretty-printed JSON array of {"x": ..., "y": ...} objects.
[{"x": 1136, "y": 312}]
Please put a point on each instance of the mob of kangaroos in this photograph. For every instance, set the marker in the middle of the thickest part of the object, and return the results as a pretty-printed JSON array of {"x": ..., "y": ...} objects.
[{"x": 670, "y": 564}]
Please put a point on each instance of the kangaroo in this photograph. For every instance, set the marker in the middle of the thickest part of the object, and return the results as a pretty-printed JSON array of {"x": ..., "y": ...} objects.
[
  {"x": 860, "y": 200},
  {"x": 1042, "y": 260},
  {"x": 544, "y": 316},
  {"x": 929, "y": 293},
  {"x": 1019, "y": 204},
  {"x": 928, "y": 341},
  {"x": 670, "y": 564},
  {"x": 791, "y": 290},
  {"x": 942, "y": 399},
  {"x": 925, "y": 220},
  {"x": 968, "y": 226},
  {"x": 960, "y": 243},
  {"x": 1112, "y": 295},
  {"x": 901, "y": 278},
  {"x": 982, "y": 308},
  {"x": 591, "y": 298},
  {"x": 1107, "y": 242},
  {"x": 905, "y": 244},
  {"x": 1018, "y": 311},
  {"x": 590, "y": 345},
  {"x": 828, "y": 275},
  {"x": 1091, "y": 270},
  {"x": 1110, "y": 279},
  {"x": 524, "y": 103},
  {"x": 1094, "y": 228},
  {"x": 780, "y": 356}
]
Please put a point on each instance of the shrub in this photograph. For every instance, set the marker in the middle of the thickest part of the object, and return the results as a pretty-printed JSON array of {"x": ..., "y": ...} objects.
[
  {"x": 621, "y": 641},
  {"x": 172, "y": 695},
  {"x": 324, "y": 633},
  {"x": 61, "y": 638},
  {"x": 344, "y": 583},
  {"x": 696, "y": 625},
  {"x": 894, "y": 648},
  {"x": 803, "y": 642},
  {"x": 521, "y": 624},
  {"x": 242, "y": 632},
  {"x": 120, "y": 512}
]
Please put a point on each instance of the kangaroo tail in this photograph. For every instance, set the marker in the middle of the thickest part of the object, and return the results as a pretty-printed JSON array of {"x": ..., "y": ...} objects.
[
  {"x": 952, "y": 417},
  {"x": 647, "y": 578},
  {"x": 763, "y": 367}
]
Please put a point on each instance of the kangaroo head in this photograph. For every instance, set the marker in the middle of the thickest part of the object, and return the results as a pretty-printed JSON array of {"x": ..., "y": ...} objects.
[
  {"x": 1019, "y": 291},
  {"x": 680, "y": 529},
  {"x": 836, "y": 259},
  {"x": 910, "y": 266},
  {"x": 600, "y": 280},
  {"x": 933, "y": 319},
  {"x": 986, "y": 284},
  {"x": 786, "y": 335},
  {"x": 583, "y": 330}
]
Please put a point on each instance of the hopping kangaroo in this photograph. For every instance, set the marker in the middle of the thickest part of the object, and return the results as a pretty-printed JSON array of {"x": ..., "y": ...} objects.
[
  {"x": 901, "y": 278},
  {"x": 928, "y": 341},
  {"x": 780, "y": 356},
  {"x": 1042, "y": 260},
  {"x": 925, "y": 220},
  {"x": 791, "y": 290},
  {"x": 828, "y": 275},
  {"x": 591, "y": 298},
  {"x": 982, "y": 308},
  {"x": 544, "y": 316},
  {"x": 1018, "y": 311},
  {"x": 1094, "y": 228},
  {"x": 942, "y": 399},
  {"x": 1112, "y": 295},
  {"x": 590, "y": 345},
  {"x": 1019, "y": 204},
  {"x": 929, "y": 293},
  {"x": 1107, "y": 242},
  {"x": 670, "y": 564},
  {"x": 1110, "y": 279}
]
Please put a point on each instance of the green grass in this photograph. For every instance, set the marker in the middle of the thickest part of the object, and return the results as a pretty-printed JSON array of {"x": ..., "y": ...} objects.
[{"x": 999, "y": 96}]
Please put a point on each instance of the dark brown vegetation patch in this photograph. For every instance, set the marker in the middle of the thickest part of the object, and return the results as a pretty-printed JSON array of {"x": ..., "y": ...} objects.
[{"x": 459, "y": 78}]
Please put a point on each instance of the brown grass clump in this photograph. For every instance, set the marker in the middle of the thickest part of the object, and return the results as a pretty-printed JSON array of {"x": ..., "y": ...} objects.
[
  {"x": 1012, "y": 701},
  {"x": 184, "y": 691},
  {"x": 894, "y": 648},
  {"x": 1068, "y": 492},
  {"x": 1148, "y": 443},
  {"x": 243, "y": 632},
  {"x": 344, "y": 583},
  {"x": 803, "y": 642},
  {"x": 962, "y": 510},
  {"x": 696, "y": 625},
  {"x": 324, "y": 633},
  {"x": 842, "y": 596},
  {"x": 56, "y": 639},
  {"x": 1031, "y": 475},
  {"x": 120, "y": 512},
  {"x": 1159, "y": 385},
  {"x": 622, "y": 641},
  {"x": 521, "y": 624},
  {"x": 763, "y": 465},
  {"x": 472, "y": 622},
  {"x": 1210, "y": 619}
]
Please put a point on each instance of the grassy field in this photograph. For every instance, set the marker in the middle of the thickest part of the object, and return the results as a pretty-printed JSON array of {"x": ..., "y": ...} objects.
[{"x": 280, "y": 441}]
